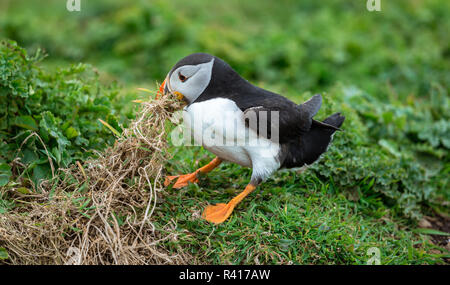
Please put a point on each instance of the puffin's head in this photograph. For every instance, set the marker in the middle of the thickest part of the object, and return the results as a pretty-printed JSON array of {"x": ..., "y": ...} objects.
[{"x": 189, "y": 77}]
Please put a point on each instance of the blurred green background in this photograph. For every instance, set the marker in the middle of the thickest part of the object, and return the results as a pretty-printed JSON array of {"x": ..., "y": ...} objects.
[
  {"x": 299, "y": 45},
  {"x": 387, "y": 71}
]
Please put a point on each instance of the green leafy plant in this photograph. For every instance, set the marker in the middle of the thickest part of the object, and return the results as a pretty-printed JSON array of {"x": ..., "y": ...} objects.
[
  {"x": 383, "y": 150},
  {"x": 49, "y": 119}
]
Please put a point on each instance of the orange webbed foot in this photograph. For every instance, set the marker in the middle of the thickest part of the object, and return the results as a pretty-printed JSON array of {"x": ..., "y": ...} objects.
[
  {"x": 218, "y": 213},
  {"x": 182, "y": 180}
]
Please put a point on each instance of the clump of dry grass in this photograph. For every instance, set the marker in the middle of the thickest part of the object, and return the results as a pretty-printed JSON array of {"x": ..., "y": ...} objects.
[{"x": 99, "y": 212}]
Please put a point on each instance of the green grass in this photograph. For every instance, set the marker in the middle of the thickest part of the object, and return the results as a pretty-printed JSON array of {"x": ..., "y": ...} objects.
[{"x": 291, "y": 218}]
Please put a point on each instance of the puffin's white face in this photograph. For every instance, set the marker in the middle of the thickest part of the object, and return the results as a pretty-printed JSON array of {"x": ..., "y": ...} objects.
[{"x": 189, "y": 81}]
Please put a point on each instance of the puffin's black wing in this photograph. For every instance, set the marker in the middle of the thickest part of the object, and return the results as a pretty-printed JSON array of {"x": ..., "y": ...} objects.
[{"x": 292, "y": 119}]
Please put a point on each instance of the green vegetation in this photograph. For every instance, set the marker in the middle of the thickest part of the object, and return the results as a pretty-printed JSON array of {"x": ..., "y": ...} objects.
[
  {"x": 49, "y": 116},
  {"x": 388, "y": 72}
]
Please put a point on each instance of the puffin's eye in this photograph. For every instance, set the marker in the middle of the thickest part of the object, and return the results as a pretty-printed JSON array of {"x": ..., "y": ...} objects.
[{"x": 182, "y": 77}]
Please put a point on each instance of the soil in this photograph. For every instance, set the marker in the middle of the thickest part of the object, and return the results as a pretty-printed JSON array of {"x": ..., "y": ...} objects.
[{"x": 440, "y": 223}]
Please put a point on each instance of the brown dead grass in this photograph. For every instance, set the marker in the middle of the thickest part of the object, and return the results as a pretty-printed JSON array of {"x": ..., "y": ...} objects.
[{"x": 99, "y": 212}]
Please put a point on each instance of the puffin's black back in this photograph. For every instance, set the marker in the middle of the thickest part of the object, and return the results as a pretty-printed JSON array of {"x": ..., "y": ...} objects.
[{"x": 227, "y": 83}]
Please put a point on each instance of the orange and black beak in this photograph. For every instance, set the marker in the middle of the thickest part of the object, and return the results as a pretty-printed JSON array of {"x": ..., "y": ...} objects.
[{"x": 162, "y": 89}]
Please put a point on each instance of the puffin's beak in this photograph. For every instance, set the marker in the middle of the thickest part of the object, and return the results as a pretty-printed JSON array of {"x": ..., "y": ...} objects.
[{"x": 162, "y": 89}]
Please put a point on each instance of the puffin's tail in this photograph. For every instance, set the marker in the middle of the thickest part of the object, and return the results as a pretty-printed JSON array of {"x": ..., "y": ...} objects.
[
  {"x": 310, "y": 109},
  {"x": 333, "y": 122},
  {"x": 316, "y": 141},
  {"x": 313, "y": 143},
  {"x": 336, "y": 120}
]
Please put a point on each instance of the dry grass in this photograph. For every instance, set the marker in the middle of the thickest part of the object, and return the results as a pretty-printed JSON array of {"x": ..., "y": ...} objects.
[{"x": 99, "y": 212}]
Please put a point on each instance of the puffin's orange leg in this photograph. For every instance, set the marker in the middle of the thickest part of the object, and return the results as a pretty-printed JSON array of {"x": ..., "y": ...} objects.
[
  {"x": 220, "y": 212},
  {"x": 183, "y": 180}
]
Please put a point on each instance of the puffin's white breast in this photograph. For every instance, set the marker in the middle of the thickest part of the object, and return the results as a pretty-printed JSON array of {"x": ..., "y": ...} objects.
[{"x": 218, "y": 125}]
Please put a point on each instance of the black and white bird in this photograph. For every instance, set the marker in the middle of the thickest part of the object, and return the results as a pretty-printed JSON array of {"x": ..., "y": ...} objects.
[{"x": 219, "y": 100}]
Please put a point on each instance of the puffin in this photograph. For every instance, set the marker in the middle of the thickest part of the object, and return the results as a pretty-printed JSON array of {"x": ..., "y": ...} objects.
[{"x": 250, "y": 126}]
